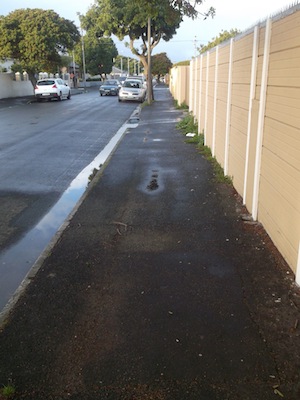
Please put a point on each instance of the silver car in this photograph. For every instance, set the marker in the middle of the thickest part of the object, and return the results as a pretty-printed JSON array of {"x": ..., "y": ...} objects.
[
  {"x": 52, "y": 88},
  {"x": 132, "y": 89}
]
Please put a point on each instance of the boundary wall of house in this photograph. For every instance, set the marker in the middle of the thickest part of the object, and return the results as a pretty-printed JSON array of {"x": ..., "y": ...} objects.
[
  {"x": 14, "y": 88},
  {"x": 18, "y": 87},
  {"x": 245, "y": 95}
]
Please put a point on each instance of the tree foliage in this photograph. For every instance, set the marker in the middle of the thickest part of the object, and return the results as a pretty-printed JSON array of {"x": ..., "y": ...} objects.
[
  {"x": 223, "y": 36},
  {"x": 182, "y": 63},
  {"x": 130, "y": 18},
  {"x": 161, "y": 64},
  {"x": 99, "y": 54},
  {"x": 36, "y": 38}
]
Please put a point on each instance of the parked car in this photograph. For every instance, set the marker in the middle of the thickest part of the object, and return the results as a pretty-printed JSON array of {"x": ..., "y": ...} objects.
[
  {"x": 140, "y": 78},
  {"x": 122, "y": 79},
  {"x": 52, "y": 88},
  {"x": 132, "y": 89},
  {"x": 110, "y": 87}
]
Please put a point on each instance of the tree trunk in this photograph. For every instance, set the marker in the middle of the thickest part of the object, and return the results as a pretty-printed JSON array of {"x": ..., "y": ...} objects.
[{"x": 32, "y": 79}]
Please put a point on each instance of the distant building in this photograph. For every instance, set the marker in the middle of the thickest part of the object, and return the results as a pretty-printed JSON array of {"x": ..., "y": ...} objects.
[{"x": 6, "y": 64}]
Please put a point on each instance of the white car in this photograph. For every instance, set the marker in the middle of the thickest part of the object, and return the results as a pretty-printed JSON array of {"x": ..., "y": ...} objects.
[
  {"x": 52, "y": 88},
  {"x": 140, "y": 78},
  {"x": 132, "y": 89}
]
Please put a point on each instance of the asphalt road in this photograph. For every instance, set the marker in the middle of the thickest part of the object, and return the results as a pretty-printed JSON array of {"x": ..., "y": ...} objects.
[{"x": 43, "y": 147}]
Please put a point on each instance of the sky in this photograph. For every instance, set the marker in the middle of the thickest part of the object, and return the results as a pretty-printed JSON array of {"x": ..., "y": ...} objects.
[{"x": 230, "y": 14}]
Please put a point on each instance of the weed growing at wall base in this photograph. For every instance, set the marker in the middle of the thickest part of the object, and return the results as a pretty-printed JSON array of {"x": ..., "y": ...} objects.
[
  {"x": 7, "y": 391},
  {"x": 182, "y": 106},
  {"x": 188, "y": 125},
  {"x": 218, "y": 170}
]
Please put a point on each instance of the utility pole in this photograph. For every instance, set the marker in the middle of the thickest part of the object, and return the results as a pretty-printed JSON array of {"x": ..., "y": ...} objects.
[
  {"x": 83, "y": 61},
  {"x": 83, "y": 55},
  {"x": 149, "y": 79}
]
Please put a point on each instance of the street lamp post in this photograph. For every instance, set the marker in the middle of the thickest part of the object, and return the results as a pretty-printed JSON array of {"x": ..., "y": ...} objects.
[
  {"x": 149, "y": 80},
  {"x": 83, "y": 61}
]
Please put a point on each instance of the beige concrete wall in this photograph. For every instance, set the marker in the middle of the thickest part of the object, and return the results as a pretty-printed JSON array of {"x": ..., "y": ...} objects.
[
  {"x": 279, "y": 202},
  {"x": 246, "y": 98},
  {"x": 179, "y": 84}
]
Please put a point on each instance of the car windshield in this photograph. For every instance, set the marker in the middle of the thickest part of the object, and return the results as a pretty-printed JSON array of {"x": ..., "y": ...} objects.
[
  {"x": 132, "y": 84},
  {"x": 112, "y": 83},
  {"x": 47, "y": 82},
  {"x": 136, "y": 78}
]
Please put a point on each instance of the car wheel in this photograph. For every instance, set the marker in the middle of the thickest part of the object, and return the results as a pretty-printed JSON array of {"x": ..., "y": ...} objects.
[
  {"x": 69, "y": 95},
  {"x": 119, "y": 99},
  {"x": 101, "y": 94}
]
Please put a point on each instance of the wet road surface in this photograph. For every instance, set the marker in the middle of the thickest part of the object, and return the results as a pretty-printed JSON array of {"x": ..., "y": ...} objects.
[{"x": 43, "y": 147}]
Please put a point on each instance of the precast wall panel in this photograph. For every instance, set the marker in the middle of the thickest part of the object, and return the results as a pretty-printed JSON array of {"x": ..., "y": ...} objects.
[
  {"x": 221, "y": 123},
  {"x": 285, "y": 33},
  {"x": 208, "y": 131},
  {"x": 192, "y": 87},
  {"x": 285, "y": 74},
  {"x": 179, "y": 84},
  {"x": 261, "y": 44},
  {"x": 202, "y": 111},
  {"x": 237, "y": 146},
  {"x": 197, "y": 89},
  {"x": 222, "y": 96},
  {"x": 242, "y": 48},
  {"x": 241, "y": 72},
  {"x": 184, "y": 78},
  {"x": 248, "y": 199},
  {"x": 247, "y": 102}
]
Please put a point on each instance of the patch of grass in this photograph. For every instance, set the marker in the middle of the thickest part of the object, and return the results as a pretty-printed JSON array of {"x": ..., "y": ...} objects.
[
  {"x": 218, "y": 170},
  {"x": 182, "y": 106},
  {"x": 93, "y": 174},
  {"x": 8, "y": 391},
  {"x": 188, "y": 125},
  {"x": 193, "y": 140}
]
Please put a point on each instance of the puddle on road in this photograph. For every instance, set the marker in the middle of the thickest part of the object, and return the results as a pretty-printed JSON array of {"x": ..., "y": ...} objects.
[
  {"x": 153, "y": 185},
  {"x": 16, "y": 261}
]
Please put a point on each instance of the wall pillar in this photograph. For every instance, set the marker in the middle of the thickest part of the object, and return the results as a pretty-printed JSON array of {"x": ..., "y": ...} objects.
[
  {"x": 200, "y": 94},
  {"x": 206, "y": 97},
  {"x": 261, "y": 119},
  {"x": 228, "y": 108},
  {"x": 251, "y": 98},
  {"x": 213, "y": 150}
]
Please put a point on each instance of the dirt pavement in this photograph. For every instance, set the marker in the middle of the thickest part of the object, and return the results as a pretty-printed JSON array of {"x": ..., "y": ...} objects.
[{"x": 157, "y": 289}]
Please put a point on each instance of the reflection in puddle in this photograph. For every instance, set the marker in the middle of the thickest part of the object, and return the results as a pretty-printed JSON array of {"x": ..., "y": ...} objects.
[{"x": 17, "y": 260}]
